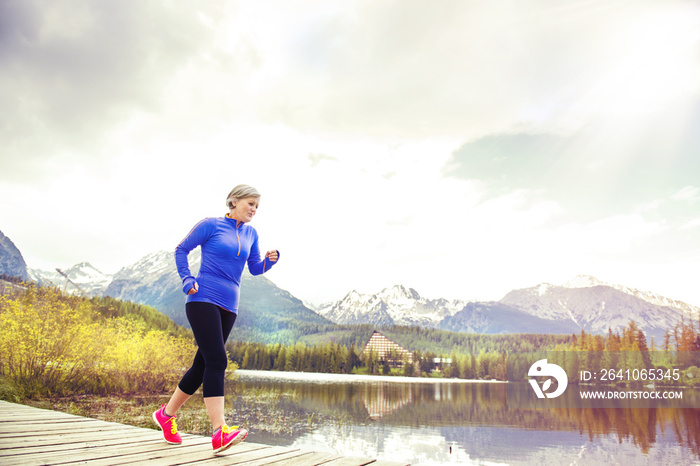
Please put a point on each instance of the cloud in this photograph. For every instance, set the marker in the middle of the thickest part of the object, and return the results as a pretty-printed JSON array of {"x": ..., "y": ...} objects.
[
  {"x": 511, "y": 160},
  {"x": 691, "y": 225},
  {"x": 412, "y": 68},
  {"x": 605, "y": 168},
  {"x": 472, "y": 146},
  {"x": 316, "y": 158},
  {"x": 688, "y": 193},
  {"x": 72, "y": 70}
]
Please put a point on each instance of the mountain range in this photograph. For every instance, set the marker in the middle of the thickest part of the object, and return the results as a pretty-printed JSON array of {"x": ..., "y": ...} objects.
[
  {"x": 582, "y": 303},
  {"x": 269, "y": 313},
  {"x": 397, "y": 305},
  {"x": 266, "y": 312}
]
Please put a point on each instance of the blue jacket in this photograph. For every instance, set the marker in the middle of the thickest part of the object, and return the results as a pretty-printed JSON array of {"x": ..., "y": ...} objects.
[{"x": 227, "y": 244}]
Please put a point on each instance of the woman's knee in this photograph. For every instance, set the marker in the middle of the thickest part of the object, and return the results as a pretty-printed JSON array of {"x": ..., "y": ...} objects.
[{"x": 217, "y": 362}]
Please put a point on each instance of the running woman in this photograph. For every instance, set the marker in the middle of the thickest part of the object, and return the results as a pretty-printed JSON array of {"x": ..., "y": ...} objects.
[{"x": 227, "y": 244}]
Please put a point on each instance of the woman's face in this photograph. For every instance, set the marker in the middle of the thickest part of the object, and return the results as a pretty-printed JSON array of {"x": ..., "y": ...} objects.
[{"x": 245, "y": 208}]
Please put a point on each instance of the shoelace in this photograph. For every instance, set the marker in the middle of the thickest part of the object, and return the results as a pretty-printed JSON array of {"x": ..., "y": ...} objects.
[
  {"x": 227, "y": 430},
  {"x": 173, "y": 426}
]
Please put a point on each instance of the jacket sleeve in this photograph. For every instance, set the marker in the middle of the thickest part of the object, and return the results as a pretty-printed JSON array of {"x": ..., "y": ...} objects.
[
  {"x": 255, "y": 265},
  {"x": 197, "y": 236}
]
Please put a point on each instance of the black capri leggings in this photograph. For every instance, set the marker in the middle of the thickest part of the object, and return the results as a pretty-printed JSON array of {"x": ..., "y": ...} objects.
[{"x": 211, "y": 326}]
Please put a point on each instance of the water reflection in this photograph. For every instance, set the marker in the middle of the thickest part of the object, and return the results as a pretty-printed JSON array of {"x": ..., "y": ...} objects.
[
  {"x": 379, "y": 401},
  {"x": 473, "y": 423}
]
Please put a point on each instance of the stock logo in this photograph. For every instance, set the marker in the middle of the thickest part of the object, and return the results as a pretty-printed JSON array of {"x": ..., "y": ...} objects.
[{"x": 540, "y": 369}]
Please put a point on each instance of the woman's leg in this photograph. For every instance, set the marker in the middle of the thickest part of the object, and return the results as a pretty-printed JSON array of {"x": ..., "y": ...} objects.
[
  {"x": 211, "y": 326},
  {"x": 215, "y": 404},
  {"x": 176, "y": 401},
  {"x": 215, "y": 410}
]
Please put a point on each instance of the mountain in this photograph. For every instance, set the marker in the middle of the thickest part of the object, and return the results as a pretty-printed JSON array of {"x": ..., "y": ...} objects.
[
  {"x": 582, "y": 303},
  {"x": 397, "y": 305},
  {"x": 11, "y": 261},
  {"x": 496, "y": 317},
  {"x": 91, "y": 281},
  {"x": 586, "y": 281},
  {"x": 594, "y": 308},
  {"x": 153, "y": 280},
  {"x": 266, "y": 312}
]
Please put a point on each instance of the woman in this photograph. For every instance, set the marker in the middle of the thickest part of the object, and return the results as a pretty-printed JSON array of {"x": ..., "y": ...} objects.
[{"x": 227, "y": 244}]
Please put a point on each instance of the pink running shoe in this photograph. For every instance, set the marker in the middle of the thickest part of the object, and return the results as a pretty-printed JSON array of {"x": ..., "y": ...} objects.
[
  {"x": 168, "y": 425},
  {"x": 225, "y": 437}
]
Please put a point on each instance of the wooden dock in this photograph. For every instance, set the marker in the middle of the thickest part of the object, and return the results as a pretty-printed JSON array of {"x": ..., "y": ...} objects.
[{"x": 40, "y": 437}]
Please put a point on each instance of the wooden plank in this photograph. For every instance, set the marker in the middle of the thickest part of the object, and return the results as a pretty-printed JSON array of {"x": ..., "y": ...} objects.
[
  {"x": 85, "y": 429},
  {"x": 46, "y": 426},
  {"x": 6, "y": 407},
  {"x": 172, "y": 456},
  {"x": 43, "y": 421},
  {"x": 74, "y": 438},
  {"x": 232, "y": 456},
  {"x": 288, "y": 455},
  {"x": 305, "y": 458},
  {"x": 109, "y": 453},
  {"x": 121, "y": 437},
  {"x": 327, "y": 458},
  {"x": 351, "y": 461},
  {"x": 92, "y": 424},
  {"x": 40, "y": 421},
  {"x": 22, "y": 410},
  {"x": 42, "y": 443},
  {"x": 38, "y": 418},
  {"x": 58, "y": 449},
  {"x": 42, "y": 415},
  {"x": 38, "y": 415}
]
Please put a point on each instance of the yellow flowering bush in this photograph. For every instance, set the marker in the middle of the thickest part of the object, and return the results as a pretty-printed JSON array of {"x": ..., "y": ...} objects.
[
  {"x": 137, "y": 359},
  {"x": 51, "y": 343}
]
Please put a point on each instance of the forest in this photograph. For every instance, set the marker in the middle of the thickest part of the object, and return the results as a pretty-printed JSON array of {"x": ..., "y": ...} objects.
[
  {"x": 439, "y": 353},
  {"x": 469, "y": 356}
]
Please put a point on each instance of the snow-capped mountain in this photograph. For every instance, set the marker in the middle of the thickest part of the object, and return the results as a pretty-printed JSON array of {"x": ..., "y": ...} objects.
[
  {"x": 153, "y": 280},
  {"x": 593, "y": 309},
  {"x": 91, "y": 281},
  {"x": 587, "y": 281},
  {"x": 397, "y": 305},
  {"x": 264, "y": 308},
  {"x": 582, "y": 303},
  {"x": 494, "y": 317}
]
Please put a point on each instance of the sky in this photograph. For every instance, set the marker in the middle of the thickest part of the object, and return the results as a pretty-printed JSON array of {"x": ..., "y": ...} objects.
[{"x": 461, "y": 148}]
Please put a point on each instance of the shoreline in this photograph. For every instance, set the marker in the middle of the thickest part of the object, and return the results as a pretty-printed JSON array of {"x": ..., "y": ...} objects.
[{"x": 320, "y": 377}]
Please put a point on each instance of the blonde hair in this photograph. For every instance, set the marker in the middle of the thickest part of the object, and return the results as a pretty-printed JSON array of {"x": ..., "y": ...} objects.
[{"x": 240, "y": 192}]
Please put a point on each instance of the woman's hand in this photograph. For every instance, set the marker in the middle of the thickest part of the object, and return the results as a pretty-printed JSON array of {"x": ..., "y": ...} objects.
[
  {"x": 194, "y": 289},
  {"x": 272, "y": 255}
]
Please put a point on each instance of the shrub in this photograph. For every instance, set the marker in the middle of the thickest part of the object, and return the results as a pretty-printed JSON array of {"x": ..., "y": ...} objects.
[{"x": 51, "y": 343}]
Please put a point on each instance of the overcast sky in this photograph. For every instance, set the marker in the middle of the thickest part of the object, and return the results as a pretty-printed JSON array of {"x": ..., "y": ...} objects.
[{"x": 462, "y": 148}]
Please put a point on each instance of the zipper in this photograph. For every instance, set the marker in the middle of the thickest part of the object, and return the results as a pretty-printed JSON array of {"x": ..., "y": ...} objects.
[{"x": 239, "y": 241}]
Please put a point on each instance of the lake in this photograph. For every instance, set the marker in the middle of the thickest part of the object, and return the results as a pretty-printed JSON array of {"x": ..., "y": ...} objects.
[{"x": 424, "y": 422}]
